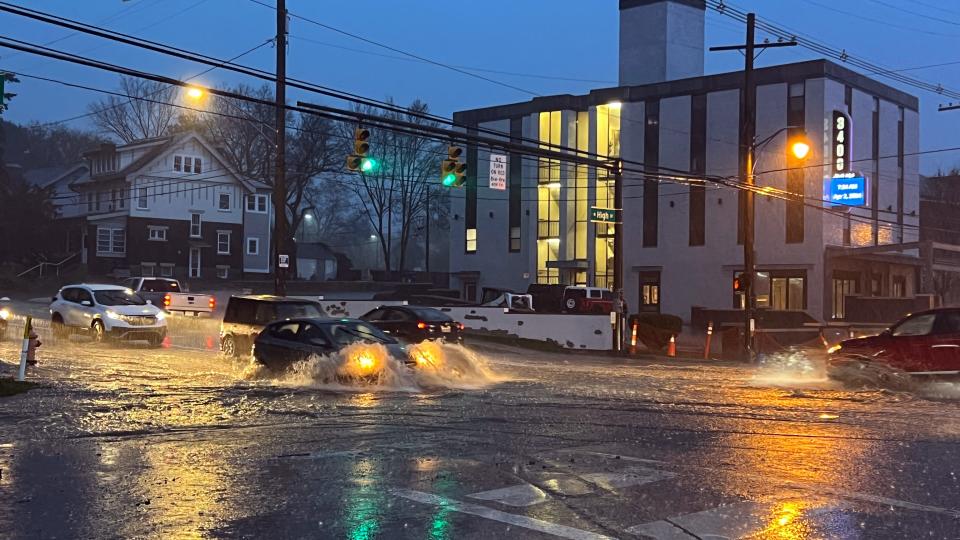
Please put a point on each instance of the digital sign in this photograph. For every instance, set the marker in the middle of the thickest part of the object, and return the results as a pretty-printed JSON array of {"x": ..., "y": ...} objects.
[
  {"x": 841, "y": 143},
  {"x": 845, "y": 190}
]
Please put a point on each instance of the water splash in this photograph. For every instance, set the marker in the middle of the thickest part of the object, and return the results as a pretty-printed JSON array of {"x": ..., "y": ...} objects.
[{"x": 795, "y": 369}]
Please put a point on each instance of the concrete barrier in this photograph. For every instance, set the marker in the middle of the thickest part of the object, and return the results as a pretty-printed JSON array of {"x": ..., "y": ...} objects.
[{"x": 582, "y": 332}]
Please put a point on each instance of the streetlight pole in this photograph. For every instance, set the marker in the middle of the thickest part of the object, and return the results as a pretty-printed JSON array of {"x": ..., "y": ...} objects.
[
  {"x": 748, "y": 132},
  {"x": 618, "y": 255},
  {"x": 280, "y": 242}
]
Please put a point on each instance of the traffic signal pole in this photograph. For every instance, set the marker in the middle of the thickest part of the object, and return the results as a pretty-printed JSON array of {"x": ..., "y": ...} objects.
[{"x": 280, "y": 242}]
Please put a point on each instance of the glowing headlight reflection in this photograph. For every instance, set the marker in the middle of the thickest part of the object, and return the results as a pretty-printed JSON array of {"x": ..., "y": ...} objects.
[
  {"x": 834, "y": 349},
  {"x": 4, "y": 314},
  {"x": 427, "y": 354},
  {"x": 113, "y": 314},
  {"x": 161, "y": 316}
]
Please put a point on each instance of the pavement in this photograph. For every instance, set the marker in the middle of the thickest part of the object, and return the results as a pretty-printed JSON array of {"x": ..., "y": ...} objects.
[{"x": 125, "y": 441}]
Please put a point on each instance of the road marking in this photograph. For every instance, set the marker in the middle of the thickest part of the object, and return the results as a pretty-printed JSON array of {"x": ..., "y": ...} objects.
[
  {"x": 731, "y": 521},
  {"x": 561, "y": 531},
  {"x": 520, "y": 495},
  {"x": 624, "y": 458},
  {"x": 634, "y": 476}
]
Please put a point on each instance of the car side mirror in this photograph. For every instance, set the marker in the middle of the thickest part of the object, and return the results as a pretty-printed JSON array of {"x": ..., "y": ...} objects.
[{"x": 86, "y": 303}]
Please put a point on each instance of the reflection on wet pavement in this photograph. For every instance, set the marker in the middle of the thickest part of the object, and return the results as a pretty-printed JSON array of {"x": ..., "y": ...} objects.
[{"x": 181, "y": 442}]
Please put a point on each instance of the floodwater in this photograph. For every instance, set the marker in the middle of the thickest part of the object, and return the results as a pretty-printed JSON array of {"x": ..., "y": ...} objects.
[{"x": 480, "y": 441}]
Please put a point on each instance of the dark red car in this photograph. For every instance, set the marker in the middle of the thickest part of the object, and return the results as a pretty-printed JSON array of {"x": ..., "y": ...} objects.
[{"x": 924, "y": 343}]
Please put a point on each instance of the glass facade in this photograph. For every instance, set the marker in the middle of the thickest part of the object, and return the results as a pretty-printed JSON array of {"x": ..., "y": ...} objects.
[
  {"x": 548, "y": 200},
  {"x": 608, "y": 145}
]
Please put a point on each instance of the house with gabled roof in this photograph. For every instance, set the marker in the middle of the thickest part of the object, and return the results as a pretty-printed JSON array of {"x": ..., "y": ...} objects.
[{"x": 171, "y": 206}]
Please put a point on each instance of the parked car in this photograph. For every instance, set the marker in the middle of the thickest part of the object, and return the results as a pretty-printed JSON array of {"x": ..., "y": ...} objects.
[
  {"x": 247, "y": 316},
  {"x": 169, "y": 294},
  {"x": 106, "y": 312},
  {"x": 415, "y": 324},
  {"x": 587, "y": 300},
  {"x": 924, "y": 343},
  {"x": 5, "y": 315},
  {"x": 283, "y": 343}
]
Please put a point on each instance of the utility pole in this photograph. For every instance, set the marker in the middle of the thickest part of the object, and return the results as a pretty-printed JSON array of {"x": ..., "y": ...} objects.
[
  {"x": 948, "y": 107},
  {"x": 427, "y": 242},
  {"x": 618, "y": 255},
  {"x": 748, "y": 147},
  {"x": 280, "y": 242}
]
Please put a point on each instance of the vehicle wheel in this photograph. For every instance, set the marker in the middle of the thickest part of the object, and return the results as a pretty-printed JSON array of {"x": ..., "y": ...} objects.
[
  {"x": 155, "y": 341},
  {"x": 229, "y": 347},
  {"x": 59, "y": 330},
  {"x": 99, "y": 332},
  {"x": 570, "y": 304}
]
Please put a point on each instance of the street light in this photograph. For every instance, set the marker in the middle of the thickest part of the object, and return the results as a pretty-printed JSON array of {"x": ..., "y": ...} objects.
[
  {"x": 195, "y": 93},
  {"x": 800, "y": 149}
]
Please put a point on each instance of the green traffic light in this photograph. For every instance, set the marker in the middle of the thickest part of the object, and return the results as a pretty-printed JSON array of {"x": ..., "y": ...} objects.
[
  {"x": 368, "y": 165},
  {"x": 449, "y": 179}
]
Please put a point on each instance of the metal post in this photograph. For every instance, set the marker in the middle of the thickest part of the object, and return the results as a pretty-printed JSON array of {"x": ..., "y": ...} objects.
[
  {"x": 25, "y": 349},
  {"x": 748, "y": 129},
  {"x": 618, "y": 254},
  {"x": 427, "y": 250},
  {"x": 280, "y": 241}
]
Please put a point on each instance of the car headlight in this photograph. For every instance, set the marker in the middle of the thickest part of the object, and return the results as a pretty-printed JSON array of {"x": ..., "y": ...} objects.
[
  {"x": 113, "y": 314},
  {"x": 4, "y": 313},
  {"x": 161, "y": 316},
  {"x": 834, "y": 349}
]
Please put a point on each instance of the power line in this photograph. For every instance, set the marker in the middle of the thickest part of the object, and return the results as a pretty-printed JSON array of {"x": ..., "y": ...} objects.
[
  {"x": 400, "y": 51},
  {"x": 879, "y": 21},
  {"x": 916, "y": 13}
]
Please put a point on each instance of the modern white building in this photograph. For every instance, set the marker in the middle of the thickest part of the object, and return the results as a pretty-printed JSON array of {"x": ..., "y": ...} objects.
[{"x": 683, "y": 243}]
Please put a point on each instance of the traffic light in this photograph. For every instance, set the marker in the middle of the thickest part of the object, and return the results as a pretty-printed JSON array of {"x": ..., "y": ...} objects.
[
  {"x": 740, "y": 283},
  {"x": 359, "y": 161},
  {"x": 452, "y": 171}
]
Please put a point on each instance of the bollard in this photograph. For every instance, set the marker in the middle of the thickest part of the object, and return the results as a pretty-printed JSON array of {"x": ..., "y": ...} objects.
[
  {"x": 32, "y": 344},
  {"x": 633, "y": 338},
  {"x": 672, "y": 347},
  {"x": 706, "y": 347},
  {"x": 823, "y": 340},
  {"x": 25, "y": 349}
]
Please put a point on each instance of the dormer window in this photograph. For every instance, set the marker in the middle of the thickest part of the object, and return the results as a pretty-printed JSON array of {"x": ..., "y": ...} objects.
[{"x": 187, "y": 164}]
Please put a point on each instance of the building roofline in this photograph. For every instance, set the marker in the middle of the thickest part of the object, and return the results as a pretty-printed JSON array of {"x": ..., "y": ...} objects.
[{"x": 783, "y": 73}]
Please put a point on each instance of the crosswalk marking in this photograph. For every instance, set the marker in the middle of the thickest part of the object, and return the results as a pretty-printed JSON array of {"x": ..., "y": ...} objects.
[
  {"x": 521, "y": 495},
  {"x": 633, "y": 476},
  {"x": 731, "y": 521},
  {"x": 532, "y": 524}
]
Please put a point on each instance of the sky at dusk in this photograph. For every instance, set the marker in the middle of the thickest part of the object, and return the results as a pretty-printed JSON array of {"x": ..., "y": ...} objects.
[{"x": 540, "y": 47}]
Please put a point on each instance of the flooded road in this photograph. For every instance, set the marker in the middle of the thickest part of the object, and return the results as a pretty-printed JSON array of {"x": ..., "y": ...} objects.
[{"x": 127, "y": 441}]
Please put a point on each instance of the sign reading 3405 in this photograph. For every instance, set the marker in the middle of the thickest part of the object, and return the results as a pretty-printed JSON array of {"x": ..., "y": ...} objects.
[{"x": 841, "y": 143}]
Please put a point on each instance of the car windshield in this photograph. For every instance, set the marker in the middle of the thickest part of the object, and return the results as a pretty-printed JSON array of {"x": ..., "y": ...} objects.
[
  {"x": 347, "y": 332},
  {"x": 160, "y": 285},
  {"x": 302, "y": 310},
  {"x": 118, "y": 297},
  {"x": 431, "y": 315}
]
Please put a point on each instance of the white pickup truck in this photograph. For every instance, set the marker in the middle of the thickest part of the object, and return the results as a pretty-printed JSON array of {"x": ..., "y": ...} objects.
[{"x": 166, "y": 293}]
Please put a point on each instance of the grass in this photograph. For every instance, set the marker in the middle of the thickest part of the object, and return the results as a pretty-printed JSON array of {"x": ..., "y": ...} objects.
[{"x": 10, "y": 387}]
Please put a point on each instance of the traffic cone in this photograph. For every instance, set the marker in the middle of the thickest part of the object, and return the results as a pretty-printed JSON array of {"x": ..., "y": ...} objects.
[
  {"x": 672, "y": 347},
  {"x": 633, "y": 338}
]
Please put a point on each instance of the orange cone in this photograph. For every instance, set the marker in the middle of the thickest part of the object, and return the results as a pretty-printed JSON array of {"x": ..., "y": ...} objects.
[
  {"x": 633, "y": 339},
  {"x": 672, "y": 347}
]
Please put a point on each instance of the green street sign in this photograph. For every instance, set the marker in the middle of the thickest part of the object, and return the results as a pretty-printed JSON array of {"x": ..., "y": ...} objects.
[{"x": 604, "y": 215}]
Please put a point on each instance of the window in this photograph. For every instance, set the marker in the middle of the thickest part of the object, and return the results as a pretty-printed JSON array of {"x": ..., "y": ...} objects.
[
  {"x": 649, "y": 291},
  {"x": 157, "y": 234},
  {"x": 196, "y": 166},
  {"x": 257, "y": 204},
  {"x": 148, "y": 269},
  {"x": 141, "y": 198},
  {"x": 548, "y": 199},
  {"x": 90, "y": 197},
  {"x": 166, "y": 270},
  {"x": 195, "y": 226},
  {"x": 844, "y": 284},
  {"x": 899, "y": 286},
  {"x": 313, "y": 335},
  {"x": 779, "y": 289},
  {"x": 178, "y": 163},
  {"x": 286, "y": 331},
  {"x": 920, "y": 325},
  {"x": 514, "y": 238},
  {"x": 253, "y": 246},
  {"x": 223, "y": 272},
  {"x": 111, "y": 241},
  {"x": 223, "y": 202},
  {"x": 187, "y": 164},
  {"x": 223, "y": 242},
  {"x": 471, "y": 240}
]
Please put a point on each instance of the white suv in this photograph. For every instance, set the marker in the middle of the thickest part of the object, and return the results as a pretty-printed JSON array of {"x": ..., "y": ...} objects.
[{"x": 107, "y": 312}]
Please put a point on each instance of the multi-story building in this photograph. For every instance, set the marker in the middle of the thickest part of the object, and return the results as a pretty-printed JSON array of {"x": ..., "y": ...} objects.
[
  {"x": 168, "y": 206},
  {"x": 683, "y": 242}
]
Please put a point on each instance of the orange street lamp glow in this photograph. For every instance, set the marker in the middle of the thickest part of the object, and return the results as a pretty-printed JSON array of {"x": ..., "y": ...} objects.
[{"x": 800, "y": 149}]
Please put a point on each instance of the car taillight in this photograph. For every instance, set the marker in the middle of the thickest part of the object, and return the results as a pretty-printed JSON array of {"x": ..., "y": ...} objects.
[
  {"x": 166, "y": 300},
  {"x": 212, "y": 303},
  {"x": 460, "y": 325},
  {"x": 421, "y": 325}
]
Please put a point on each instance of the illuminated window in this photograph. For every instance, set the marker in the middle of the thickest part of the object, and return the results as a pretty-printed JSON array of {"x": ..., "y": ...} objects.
[
  {"x": 548, "y": 200},
  {"x": 581, "y": 190},
  {"x": 608, "y": 145},
  {"x": 471, "y": 240}
]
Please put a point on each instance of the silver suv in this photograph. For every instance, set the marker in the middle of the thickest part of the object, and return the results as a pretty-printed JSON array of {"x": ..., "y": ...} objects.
[{"x": 106, "y": 312}]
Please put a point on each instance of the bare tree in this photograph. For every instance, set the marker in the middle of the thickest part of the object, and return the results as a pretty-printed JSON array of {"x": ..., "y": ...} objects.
[
  {"x": 395, "y": 194},
  {"x": 142, "y": 114}
]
